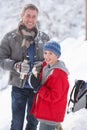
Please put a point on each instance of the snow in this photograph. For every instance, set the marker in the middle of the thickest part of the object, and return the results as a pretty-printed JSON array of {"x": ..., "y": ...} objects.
[
  {"x": 5, "y": 109},
  {"x": 73, "y": 44},
  {"x": 74, "y": 52}
]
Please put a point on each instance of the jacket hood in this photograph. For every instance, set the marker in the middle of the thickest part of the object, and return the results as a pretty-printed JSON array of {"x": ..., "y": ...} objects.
[{"x": 60, "y": 65}]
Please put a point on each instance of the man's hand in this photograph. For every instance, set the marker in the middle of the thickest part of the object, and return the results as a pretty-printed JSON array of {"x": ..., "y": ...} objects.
[{"x": 22, "y": 67}]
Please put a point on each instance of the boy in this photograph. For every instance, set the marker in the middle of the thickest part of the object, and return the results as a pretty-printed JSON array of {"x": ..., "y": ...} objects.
[{"x": 51, "y": 99}]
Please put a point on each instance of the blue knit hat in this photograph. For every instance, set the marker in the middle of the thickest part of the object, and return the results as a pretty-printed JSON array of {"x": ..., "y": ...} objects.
[{"x": 54, "y": 47}]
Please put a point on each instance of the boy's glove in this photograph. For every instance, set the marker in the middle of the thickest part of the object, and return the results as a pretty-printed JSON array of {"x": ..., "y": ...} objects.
[
  {"x": 37, "y": 68},
  {"x": 34, "y": 82},
  {"x": 33, "y": 79}
]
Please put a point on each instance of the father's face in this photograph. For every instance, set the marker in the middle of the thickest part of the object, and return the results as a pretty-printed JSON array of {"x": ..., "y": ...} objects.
[{"x": 29, "y": 18}]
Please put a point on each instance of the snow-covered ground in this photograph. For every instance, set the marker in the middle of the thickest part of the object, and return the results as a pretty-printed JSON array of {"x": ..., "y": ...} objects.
[
  {"x": 74, "y": 52},
  {"x": 63, "y": 19}
]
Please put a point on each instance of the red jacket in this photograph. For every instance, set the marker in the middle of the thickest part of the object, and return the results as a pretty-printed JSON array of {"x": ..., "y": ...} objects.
[{"x": 51, "y": 100}]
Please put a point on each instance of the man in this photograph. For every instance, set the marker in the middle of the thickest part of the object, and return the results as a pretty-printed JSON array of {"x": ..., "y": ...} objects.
[{"x": 19, "y": 50}]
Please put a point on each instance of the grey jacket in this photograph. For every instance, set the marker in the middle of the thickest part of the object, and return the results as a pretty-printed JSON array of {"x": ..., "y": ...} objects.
[{"x": 11, "y": 51}]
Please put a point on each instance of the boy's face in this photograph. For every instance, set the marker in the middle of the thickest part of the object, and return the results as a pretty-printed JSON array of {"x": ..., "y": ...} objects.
[
  {"x": 50, "y": 57},
  {"x": 29, "y": 18}
]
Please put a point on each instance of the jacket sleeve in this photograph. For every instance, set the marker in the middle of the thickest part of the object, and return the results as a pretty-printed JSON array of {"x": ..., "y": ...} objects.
[
  {"x": 55, "y": 90},
  {"x": 5, "y": 53}
]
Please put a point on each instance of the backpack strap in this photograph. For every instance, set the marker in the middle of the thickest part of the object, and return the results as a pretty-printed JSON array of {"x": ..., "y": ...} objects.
[
  {"x": 75, "y": 90},
  {"x": 79, "y": 84},
  {"x": 71, "y": 100}
]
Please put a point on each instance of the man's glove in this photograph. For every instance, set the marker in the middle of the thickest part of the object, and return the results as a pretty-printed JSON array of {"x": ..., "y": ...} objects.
[
  {"x": 37, "y": 68},
  {"x": 22, "y": 68}
]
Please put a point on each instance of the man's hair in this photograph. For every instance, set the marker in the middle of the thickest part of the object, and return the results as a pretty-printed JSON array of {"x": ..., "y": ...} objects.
[{"x": 30, "y": 6}]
